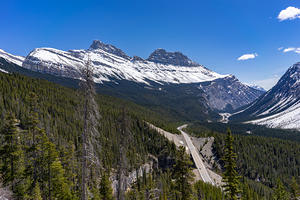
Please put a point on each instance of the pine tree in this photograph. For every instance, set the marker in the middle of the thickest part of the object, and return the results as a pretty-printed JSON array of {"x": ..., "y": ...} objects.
[
  {"x": 52, "y": 171},
  {"x": 295, "y": 189},
  {"x": 280, "y": 193},
  {"x": 230, "y": 177},
  {"x": 59, "y": 187},
  {"x": 36, "y": 193},
  {"x": 183, "y": 175},
  {"x": 106, "y": 191},
  {"x": 32, "y": 139},
  {"x": 12, "y": 156},
  {"x": 246, "y": 193}
]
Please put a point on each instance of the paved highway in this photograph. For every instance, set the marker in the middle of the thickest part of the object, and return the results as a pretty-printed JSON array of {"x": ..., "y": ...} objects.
[{"x": 196, "y": 157}]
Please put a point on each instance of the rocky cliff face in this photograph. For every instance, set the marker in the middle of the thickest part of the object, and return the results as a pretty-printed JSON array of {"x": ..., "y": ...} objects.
[
  {"x": 171, "y": 58},
  {"x": 228, "y": 94}
]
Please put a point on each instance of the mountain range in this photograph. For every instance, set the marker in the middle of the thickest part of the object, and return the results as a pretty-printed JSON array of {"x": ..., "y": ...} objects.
[{"x": 167, "y": 79}]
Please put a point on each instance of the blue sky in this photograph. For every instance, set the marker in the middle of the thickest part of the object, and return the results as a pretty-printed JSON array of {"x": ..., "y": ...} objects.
[{"x": 214, "y": 33}]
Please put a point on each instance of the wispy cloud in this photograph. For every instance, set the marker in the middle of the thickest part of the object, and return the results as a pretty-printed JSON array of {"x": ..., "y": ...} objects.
[
  {"x": 289, "y": 13},
  {"x": 290, "y": 49},
  {"x": 248, "y": 56},
  {"x": 280, "y": 48}
]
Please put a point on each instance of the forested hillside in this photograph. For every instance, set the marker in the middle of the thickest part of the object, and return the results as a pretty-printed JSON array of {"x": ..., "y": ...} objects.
[
  {"x": 53, "y": 111},
  {"x": 41, "y": 147},
  {"x": 261, "y": 159}
]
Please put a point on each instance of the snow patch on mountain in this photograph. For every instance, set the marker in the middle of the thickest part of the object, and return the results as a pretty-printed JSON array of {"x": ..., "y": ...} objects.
[
  {"x": 3, "y": 71},
  {"x": 288, "y": 119},
  {"x": 18, "y": 60},
  {"x": 257, "y": 87}
]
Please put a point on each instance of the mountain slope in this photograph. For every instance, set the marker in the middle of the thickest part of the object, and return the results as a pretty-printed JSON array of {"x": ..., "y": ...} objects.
[
  {"x": 280, "y": 106},
  {"x": 165, "y": 79},
  {"x": 18, "y": 60}
]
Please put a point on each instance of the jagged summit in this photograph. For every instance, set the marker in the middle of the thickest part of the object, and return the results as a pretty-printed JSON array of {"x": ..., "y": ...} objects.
[
  {"x": 137, "y": 58},
  {"x": 172, "y": 58},
  {"x": 294, "y": 71},
  {"x": 97, "y": 44}
]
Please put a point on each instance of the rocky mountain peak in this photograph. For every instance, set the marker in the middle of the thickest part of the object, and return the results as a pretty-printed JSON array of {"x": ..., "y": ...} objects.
[
  {"x": 137, "y": 58},
  {"x": 290, "y": 81},
  {"x": 173, "y": 58},
  {"x": 294, "y": 71},
  {"x": 108, "y": 48}
]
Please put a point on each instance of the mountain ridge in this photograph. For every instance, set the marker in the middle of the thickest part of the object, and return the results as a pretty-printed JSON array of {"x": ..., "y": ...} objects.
[{"x": 112, "y": 65}]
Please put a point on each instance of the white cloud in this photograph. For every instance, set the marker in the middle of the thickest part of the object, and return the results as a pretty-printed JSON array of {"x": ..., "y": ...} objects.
[
  {"x": 290, "y": 49},
  {"x": 248, "y": 56},
  {"x": 289, "y": 13}
]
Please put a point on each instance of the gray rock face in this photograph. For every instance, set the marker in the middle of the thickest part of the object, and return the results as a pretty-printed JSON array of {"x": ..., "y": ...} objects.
[
  {"x": 173, "y": 58},
  {"x": 131, "y": 177},
  {"x": 108, "y": 48},
  {"x": 137, "y": 58},
  {"x": 228, "y": 94}
]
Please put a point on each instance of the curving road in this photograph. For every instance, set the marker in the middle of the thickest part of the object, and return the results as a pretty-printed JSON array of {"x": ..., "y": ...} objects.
[{"x": 196, "y": 157}]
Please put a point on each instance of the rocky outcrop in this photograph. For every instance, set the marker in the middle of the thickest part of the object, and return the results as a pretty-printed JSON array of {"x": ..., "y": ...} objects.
[{"x": 171, "y": 58}]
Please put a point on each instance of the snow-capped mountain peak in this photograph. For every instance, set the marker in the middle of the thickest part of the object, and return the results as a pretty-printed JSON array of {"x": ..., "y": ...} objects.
[
  {"x": 257, "y": 87},
  {"x": 108, "y": 48}
]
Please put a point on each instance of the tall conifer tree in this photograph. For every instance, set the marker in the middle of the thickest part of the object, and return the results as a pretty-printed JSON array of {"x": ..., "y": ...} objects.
[
  {"x": 12, "y": 156},
  {"x": 230, "y": 178}
]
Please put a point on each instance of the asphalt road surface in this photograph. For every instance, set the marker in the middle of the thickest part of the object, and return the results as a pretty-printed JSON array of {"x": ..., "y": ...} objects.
[{"x": 196, "y": 157}]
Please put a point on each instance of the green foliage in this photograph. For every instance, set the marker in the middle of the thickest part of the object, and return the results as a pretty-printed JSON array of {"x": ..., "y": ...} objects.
[
  {"x": 51, "y": 125},
  {"x": 295, "y": 189},
  {"x": 183, "y": 175},
  {"x": 105, "y": 188},
  {"x": 206, "y": 191},
  {"x": 249, "y": 129},
  {"x": 59, "y": 187},
  {"x": 230, "y": 176},
  {"x": 262, "y": 159},
  {"x": 280, "y": 193},
  {"x": 12, "y": 156},
  {"x": 36, "y": 193}
]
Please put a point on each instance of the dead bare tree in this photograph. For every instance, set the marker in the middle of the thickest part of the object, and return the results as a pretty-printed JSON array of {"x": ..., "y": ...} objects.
[
  {"x": 5, "y": 193},
  {"x": 91, "y": 118},
  {"x": 125, "y": 138}
]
